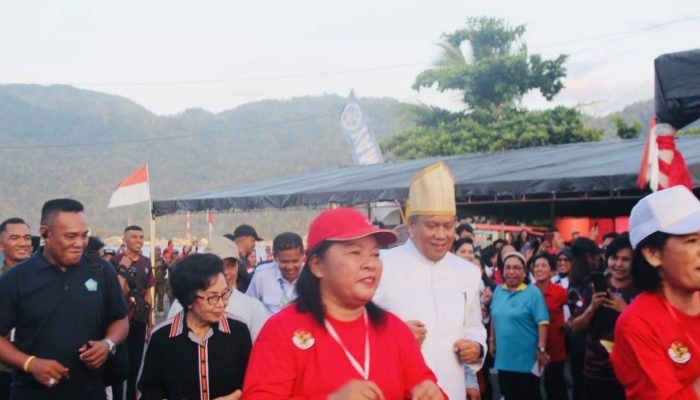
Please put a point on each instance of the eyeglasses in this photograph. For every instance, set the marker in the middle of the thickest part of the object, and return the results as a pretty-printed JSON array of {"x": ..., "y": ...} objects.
[{"x": 214, "y": 300}]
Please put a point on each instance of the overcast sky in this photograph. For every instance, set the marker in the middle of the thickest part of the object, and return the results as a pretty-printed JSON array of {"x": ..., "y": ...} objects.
[{"x": 172, "y": 55}]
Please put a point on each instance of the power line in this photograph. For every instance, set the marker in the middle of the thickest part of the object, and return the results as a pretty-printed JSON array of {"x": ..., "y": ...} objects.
[
  {"x": 686, "y": 18},
  {"x": 170, "y": 137}
]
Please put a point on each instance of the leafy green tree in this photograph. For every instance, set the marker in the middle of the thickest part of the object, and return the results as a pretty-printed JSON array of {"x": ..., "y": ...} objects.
[
  {"x": 625, "y": 130},
  {"x": 498, "y": 72},
  {"x": 492, "y": 77}
]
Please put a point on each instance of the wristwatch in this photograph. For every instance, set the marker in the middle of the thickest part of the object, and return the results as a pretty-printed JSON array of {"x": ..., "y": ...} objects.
[
  {"x": 112, "y": 347},
  {"x": 541, "y": 350}
]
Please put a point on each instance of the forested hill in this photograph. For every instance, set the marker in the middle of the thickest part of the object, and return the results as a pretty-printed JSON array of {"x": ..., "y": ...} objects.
[{"x": 61, "y": 141}]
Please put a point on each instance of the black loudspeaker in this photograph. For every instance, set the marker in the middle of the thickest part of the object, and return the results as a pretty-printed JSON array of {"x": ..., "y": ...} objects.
[{"x": 677, "y": 88}]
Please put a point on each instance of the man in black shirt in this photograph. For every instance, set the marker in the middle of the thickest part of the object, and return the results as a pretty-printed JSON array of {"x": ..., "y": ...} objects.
[{"x": 66, "y": 323}]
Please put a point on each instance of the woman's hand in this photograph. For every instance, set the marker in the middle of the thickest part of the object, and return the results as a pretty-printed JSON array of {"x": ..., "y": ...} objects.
[
  {"x": 614, "y": 302},
  {"x": 358, "y": 390},
  {"x": 426, "y": 390},
  {"x": 597, "y": 300}
]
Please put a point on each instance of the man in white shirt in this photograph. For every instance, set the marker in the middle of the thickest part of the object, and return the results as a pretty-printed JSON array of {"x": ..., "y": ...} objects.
[
  {"x": 274, "y": 284},
  {"x": 244, "y": 308},
  {"x": 433, "y": 290}
]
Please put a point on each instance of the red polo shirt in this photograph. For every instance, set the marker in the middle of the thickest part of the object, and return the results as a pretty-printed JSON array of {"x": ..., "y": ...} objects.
[
  {"x": 555, "y": 297},
  {"x": 656, "y": 353},
  {"x": 294, "y": 357}
]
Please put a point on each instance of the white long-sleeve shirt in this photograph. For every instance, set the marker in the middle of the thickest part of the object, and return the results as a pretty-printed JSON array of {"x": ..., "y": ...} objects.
[
  {"x": 444, "y": 295},
  {"x": 246, "y": 309}
]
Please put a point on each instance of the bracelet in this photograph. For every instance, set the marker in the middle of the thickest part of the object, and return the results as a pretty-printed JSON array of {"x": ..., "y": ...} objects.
[{"x": 27, "y": 362}]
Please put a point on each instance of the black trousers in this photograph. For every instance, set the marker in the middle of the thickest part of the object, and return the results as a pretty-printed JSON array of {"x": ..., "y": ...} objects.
[
  {"x": 577, "y": 374},
  {"x": 596, "y": 389},
  {"x": 135, "y": 342},
  {"x": 554, "y": 383},
  {"x": 519, "y": 385},
  {"x": 5, "y": 382}
]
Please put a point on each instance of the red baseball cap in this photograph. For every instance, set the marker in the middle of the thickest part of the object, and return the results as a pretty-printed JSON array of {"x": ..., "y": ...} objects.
[{"x": 344, "y": 224}]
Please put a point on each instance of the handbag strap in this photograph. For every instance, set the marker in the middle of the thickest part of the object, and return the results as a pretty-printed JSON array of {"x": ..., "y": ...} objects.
[{"x": 98, "y": 270}]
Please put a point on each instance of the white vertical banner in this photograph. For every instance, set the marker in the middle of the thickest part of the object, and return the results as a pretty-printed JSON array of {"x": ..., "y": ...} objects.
[{"x": 353, "y": 121}]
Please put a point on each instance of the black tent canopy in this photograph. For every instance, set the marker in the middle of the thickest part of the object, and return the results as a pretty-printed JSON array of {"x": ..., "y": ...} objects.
[
  {"x": 563, "y": 174},
  {"x": 677, "y": 88}
]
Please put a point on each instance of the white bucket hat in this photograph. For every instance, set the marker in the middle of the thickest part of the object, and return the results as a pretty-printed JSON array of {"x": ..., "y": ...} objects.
[{"x": 675, "y": 210}]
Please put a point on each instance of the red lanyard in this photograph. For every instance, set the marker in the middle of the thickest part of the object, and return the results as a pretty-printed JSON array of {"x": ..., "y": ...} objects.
[{"x": 364, "y": 372}]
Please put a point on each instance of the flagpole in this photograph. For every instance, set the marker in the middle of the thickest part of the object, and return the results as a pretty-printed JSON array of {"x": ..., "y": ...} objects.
[{"x": 152, "y": 228}]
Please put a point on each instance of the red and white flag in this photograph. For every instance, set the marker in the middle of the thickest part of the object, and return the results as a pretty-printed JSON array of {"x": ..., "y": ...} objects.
[
  {"x": 663, "y": 165},
  {"x": 133, "y": 189}
]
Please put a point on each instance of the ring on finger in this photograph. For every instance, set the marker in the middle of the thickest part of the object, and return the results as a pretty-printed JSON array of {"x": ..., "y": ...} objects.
[{"x": 52, "y": 382}]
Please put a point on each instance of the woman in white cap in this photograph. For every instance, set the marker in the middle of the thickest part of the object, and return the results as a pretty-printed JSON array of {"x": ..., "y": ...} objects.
[
  {"x": 334, "y": 343},
  {"x": 656, "y": 352}
]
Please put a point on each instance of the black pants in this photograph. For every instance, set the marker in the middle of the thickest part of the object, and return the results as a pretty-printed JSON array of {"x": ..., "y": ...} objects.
[
  {"x": 554, "y": 383},
  {"x": 596, "y": 389},
  {"x": 577, "y": 374},
  {"x": 519, "y": 385},
  {"x": 5, "y": 382},
  {"x": 135, "y": 342}
]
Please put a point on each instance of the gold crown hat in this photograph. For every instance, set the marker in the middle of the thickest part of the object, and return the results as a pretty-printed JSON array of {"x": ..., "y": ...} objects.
[{"x": 432, "y": 191}]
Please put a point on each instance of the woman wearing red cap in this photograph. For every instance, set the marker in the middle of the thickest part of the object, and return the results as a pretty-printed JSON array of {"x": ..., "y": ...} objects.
[
  {"x": 656, "y": 352},
  {"x": 334, "y": 343}
]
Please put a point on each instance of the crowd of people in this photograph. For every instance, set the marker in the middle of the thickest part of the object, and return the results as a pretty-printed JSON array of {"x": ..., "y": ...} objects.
[{"x": 353, "y": 313}]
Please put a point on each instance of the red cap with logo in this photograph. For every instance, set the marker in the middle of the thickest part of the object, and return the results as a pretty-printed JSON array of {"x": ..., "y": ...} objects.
[{"x": 344, "y": 224}]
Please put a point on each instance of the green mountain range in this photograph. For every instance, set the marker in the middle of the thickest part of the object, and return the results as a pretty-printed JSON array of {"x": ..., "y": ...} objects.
[{"x": 60, "y": 141}]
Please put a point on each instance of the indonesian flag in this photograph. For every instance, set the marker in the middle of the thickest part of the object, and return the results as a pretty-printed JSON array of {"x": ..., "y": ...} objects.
[
  {"x": 133, "y": 189},
  {"x": 663, "y": 165}
]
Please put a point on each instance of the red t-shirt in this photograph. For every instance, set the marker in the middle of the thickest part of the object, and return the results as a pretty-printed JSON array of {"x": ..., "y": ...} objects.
[
  {"x": 555, "y": 296},
  {"x": 294, "y": 357},
  {"x": 656, "y": 353}
]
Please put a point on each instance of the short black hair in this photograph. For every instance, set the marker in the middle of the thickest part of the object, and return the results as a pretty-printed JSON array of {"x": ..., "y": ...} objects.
[
  {"x": 460, "y": 242},
  {"x": 11, "y": 221},
  {"x": 52, "y": 207},
  {"x": 619, "y": 242},
  {"x": 94, "y": 244},
  {"x": 309, "y": 291},
  {"x": 133, "y": 228},
  {"x": 287, "y": 241},
  {"x": 549, "y": 258},
  {"x": 464, "y": 227},
  {"x": 193, "y": 273},
  {"x": 610, "y": 235},
  {"x": 645, "y": 275}
]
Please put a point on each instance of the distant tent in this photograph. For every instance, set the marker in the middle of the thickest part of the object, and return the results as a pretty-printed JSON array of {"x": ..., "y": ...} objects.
[{"x": 526, "y": 182}]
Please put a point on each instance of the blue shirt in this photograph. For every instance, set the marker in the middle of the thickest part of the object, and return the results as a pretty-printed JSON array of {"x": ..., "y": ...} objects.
[
  {"x": 55, "y": 313},
  {"x": 517, "y": 316},
  {"x": 271, "y": 288}
]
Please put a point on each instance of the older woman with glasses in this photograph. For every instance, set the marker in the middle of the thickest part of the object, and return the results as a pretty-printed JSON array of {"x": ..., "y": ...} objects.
[
  {"x": 202, "y": 352},
  {"x": 334, "y": 342},
  {"x": 519, "y": 322}
]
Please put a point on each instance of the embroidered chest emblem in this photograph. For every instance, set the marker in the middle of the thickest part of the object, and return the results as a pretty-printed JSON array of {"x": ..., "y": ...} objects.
[
  {"x": 679, "y": 352},
  {"x": 91, "y": 285},
  {"x": 303, "y": 339}
]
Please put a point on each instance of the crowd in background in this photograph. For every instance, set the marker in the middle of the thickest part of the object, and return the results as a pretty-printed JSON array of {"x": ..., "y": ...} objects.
[{"x": 539, "y": 311}]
